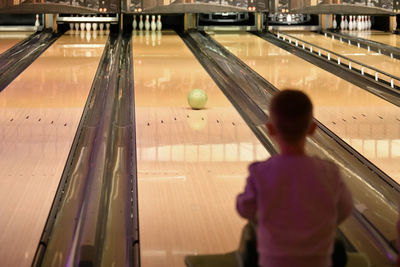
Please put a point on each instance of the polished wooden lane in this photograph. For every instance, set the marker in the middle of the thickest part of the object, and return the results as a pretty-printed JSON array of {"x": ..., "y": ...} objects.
[
  {"x": 191, "y": 163},
  {"x": 378, "y": 36},
  {"x": 9, "y": 39},
  {"x": 368, "y": 123},
  {"x": 371, "y": 58},
  {"x": 39, "y": 114}
]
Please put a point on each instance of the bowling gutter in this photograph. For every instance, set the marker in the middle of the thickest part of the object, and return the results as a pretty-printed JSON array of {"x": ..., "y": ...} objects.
[
  {"x": 16, "y": 59},
  {"x": 371, "y": 229},
  {"x": 93, "y": 220}
]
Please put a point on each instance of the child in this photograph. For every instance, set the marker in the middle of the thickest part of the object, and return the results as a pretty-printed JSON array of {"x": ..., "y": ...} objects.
[{"x": 297, "y": 200}]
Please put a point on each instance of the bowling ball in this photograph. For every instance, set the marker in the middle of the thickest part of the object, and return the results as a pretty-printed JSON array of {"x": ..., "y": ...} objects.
[{"x": 197, "y": 99}]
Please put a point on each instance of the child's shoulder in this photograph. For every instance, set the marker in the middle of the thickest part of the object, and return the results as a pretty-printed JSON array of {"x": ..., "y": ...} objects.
[
  {"x": 260, "y": 165},
  {"x": 277, "y": 160},
  {"x": 324, "y": 162}
]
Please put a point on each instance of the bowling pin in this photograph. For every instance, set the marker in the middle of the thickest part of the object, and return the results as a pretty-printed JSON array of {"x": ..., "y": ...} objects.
[
  {"x": 342, "y": 23},
  {"x": 141, "y": 22},
  {"x": 37, "y": 23},
  {"x": 354, "y": 23},
  {"x": 94, "y": 25},
  {"x": 88, "y": 26},
  {"x": 365, "y": 23},
  {"x": 83, "y": 25},
  {"x": 147, "y": 23},
  {"x": 334, "y": 23},
  {"x": 71, "y": 26},
  {"x": 76, "y": 26},
  {"x": 108, "y": 25},
  {"x": 369, "y": 22},
  {"x": 134, "y": 23},
  {"x": 346, "y": 23},
  {"x": 159, "y": 24},
  {"x": 359, "y": 23},
  {"x": 362, "y": 23},
  {"x": 153, "y": 23},
  {"x": 289, "y": 18},
  {"x": 351, "y": 23}
]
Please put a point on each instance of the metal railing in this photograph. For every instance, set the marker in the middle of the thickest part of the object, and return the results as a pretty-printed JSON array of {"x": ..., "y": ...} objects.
[
  {"x": 383, "y": 49},
  {"x": 381, "y": 77}
]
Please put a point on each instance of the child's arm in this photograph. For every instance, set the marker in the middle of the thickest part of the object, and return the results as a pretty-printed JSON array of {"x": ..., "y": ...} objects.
[
  {"x": 246, "y": 202},
  {"x": 345, "y": 203}
]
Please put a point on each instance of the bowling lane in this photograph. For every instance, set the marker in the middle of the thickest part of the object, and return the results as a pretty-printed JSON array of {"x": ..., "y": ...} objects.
[
  {"x": 373, "y": 59},
  {"x": 191, "y": 163},
  {"x": 39, "y": 114},
  {"x": 378, "y": 36},
  {"x": 9, "y": 39},
  {"x": 365, "y": 121}
]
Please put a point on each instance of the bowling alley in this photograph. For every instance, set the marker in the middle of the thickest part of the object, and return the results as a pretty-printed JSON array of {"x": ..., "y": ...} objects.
[{"x": 199, "y": 133}]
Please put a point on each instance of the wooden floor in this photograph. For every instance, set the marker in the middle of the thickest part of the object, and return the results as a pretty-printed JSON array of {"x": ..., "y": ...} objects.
[
  {"x": 378, "y": 36},
  {"x": 39, "y": 114},
  {"x": 371, "y": 58},
  {"x": 191, "y": 163},
  {"x": 368, "y": 123},
  {"x": 9, "y": 39}
]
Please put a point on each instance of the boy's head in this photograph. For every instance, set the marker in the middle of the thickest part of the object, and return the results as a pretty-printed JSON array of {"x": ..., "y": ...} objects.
[{"x": 291, "y": 114}]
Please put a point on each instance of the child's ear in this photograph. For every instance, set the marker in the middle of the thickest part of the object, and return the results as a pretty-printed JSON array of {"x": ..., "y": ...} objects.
[
  {"x": 270, "y": 128},
  {"x": 312, "y": 128}
]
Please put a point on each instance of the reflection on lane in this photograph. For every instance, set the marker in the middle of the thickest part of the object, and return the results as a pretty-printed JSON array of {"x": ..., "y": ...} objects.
[
  {"x": 191, "y": 163},
  {"x": 349, "y": 111},
  {"x": 39, "y": 114},
  {"x": 371, "y": 58},
  {"x": 9, "y": 39}
]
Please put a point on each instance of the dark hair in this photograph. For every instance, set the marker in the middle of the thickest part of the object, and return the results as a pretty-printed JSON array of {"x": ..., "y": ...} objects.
[{"x": 291, "y": 112}]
